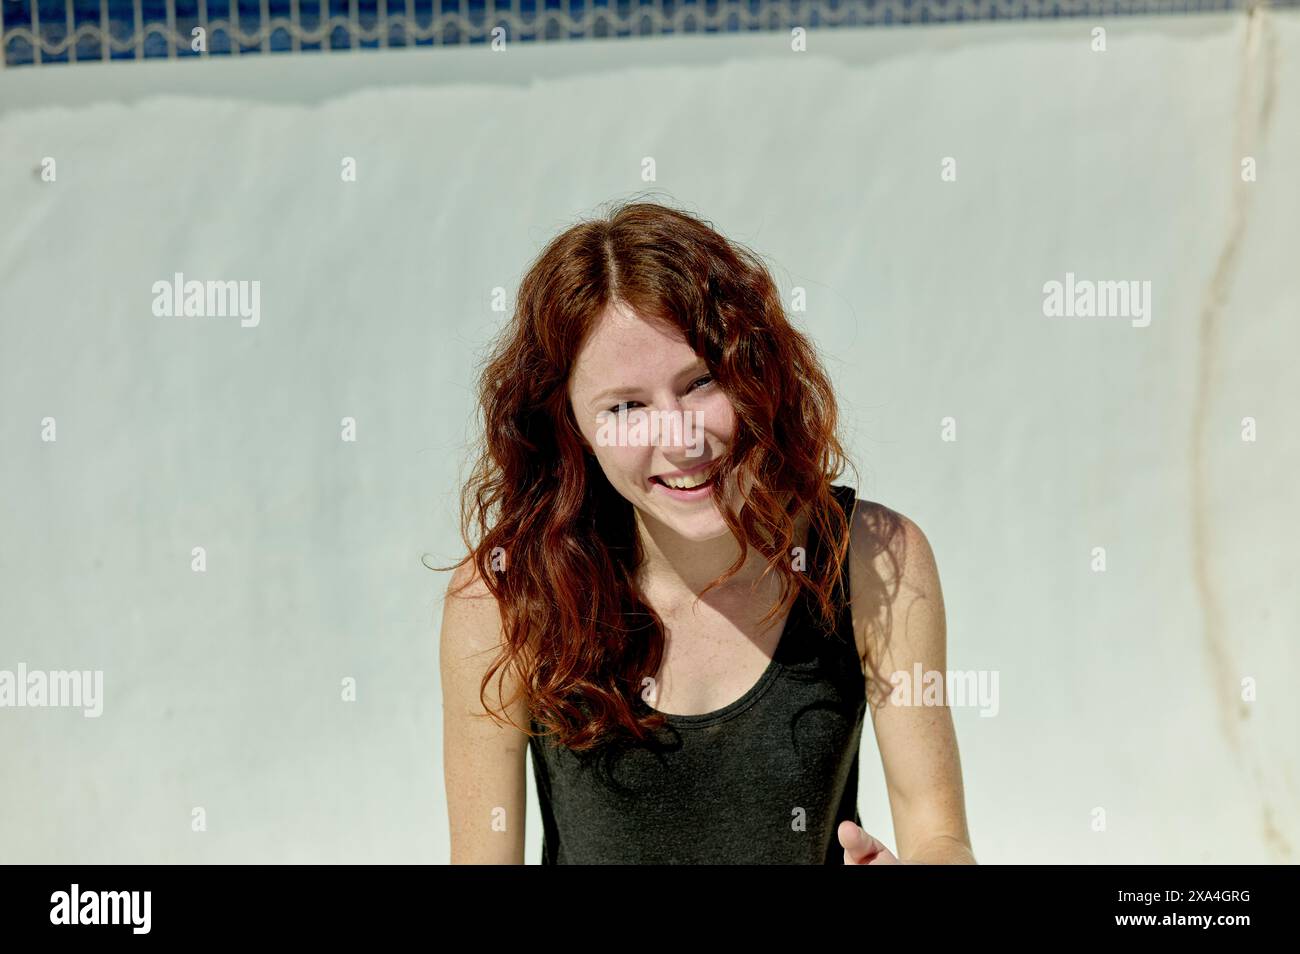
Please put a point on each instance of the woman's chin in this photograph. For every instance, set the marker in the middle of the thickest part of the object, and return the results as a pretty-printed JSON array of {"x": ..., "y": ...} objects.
[
  {"x": 701, "y": 530},
  {"x": 704, "y": 524},
  {"x": 693, "y": 516}
]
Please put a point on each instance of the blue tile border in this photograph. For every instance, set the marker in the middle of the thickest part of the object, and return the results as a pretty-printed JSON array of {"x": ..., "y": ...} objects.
[{"x": 71, "y": 31}]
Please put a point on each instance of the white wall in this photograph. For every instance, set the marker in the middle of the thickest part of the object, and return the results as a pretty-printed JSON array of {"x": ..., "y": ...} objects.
[{"x": 222, "y": 688}]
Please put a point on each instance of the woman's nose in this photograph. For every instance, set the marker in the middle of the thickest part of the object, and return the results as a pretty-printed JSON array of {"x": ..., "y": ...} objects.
[{"x": 679, "y": 432}]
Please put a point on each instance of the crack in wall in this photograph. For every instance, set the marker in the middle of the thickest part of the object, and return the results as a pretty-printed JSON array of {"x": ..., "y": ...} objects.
[{"x": 1255, "y": 102}]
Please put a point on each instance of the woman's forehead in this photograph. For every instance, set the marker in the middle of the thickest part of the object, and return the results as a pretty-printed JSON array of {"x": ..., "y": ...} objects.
[{"x": 622, "y": 342}]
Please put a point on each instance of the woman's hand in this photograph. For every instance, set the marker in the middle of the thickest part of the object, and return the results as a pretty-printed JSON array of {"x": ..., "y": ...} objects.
[{"x": 861, "y": 848}]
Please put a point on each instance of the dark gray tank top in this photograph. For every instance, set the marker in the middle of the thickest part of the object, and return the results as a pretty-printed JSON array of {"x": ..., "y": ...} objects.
[{"x": 764, "y": 780}]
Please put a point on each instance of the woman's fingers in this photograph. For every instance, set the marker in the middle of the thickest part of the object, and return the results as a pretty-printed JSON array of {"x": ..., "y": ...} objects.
[{"x": 861, "y": 848}]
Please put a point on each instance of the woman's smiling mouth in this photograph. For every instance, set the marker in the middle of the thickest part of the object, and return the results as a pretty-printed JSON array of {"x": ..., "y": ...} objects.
[{"x": 684, "y": 485}]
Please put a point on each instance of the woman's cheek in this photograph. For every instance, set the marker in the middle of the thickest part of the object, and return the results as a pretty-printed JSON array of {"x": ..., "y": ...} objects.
[
  {"x": 719, "y": 417},
  {"x": 623, "y": 464},
  {"x": 635, "y": 464}
]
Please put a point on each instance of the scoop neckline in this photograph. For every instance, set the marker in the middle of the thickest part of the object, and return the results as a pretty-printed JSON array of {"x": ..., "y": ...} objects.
[{"x": 751, "y": 695}]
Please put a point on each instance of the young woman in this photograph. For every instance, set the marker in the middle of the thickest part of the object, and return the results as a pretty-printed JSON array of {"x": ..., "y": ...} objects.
[{"x": 666, "y": 597}]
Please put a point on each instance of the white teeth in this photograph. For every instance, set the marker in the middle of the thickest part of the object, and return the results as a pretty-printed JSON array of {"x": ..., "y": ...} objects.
[{"x": 685, "y": 483}]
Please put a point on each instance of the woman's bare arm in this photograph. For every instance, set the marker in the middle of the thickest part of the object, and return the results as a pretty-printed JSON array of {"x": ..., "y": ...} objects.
[
  {"x": 918, "y": 746},
  {"x": 483, "y": 762}
]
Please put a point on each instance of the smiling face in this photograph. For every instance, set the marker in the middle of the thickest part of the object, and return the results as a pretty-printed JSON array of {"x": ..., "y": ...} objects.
[{"x": 653, "y": 417}]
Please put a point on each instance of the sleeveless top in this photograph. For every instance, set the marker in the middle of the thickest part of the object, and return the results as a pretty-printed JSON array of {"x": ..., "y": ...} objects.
[{"x": 766, "y": 779}]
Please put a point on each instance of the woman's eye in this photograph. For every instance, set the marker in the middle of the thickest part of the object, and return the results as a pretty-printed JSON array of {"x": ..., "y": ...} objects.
[{"x": 629, "y": 405}]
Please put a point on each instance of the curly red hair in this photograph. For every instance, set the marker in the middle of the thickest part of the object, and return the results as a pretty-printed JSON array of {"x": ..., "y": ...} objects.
[{"x": 576, "y": 631}]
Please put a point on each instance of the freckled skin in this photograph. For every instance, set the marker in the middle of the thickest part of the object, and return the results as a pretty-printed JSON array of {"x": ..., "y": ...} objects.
[{"x": 660, "y": 372}]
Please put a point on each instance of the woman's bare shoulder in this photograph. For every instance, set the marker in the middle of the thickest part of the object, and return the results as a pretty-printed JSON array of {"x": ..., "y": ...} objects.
[
  {"x": 891, "y": 564},
  {"x": 471, "y": 614},
  {"x": 889, "y": 541},
  {"x": 467, "y": 582}
]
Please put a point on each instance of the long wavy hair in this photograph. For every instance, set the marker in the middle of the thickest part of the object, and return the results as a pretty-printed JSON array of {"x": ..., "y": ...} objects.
[{"x": 551, "y": 538}]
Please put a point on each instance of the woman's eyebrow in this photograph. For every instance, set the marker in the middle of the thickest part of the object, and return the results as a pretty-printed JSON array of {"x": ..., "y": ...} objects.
[
  {"x": 622, "y": 389},
  {"x": 612, "y": 392}
]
